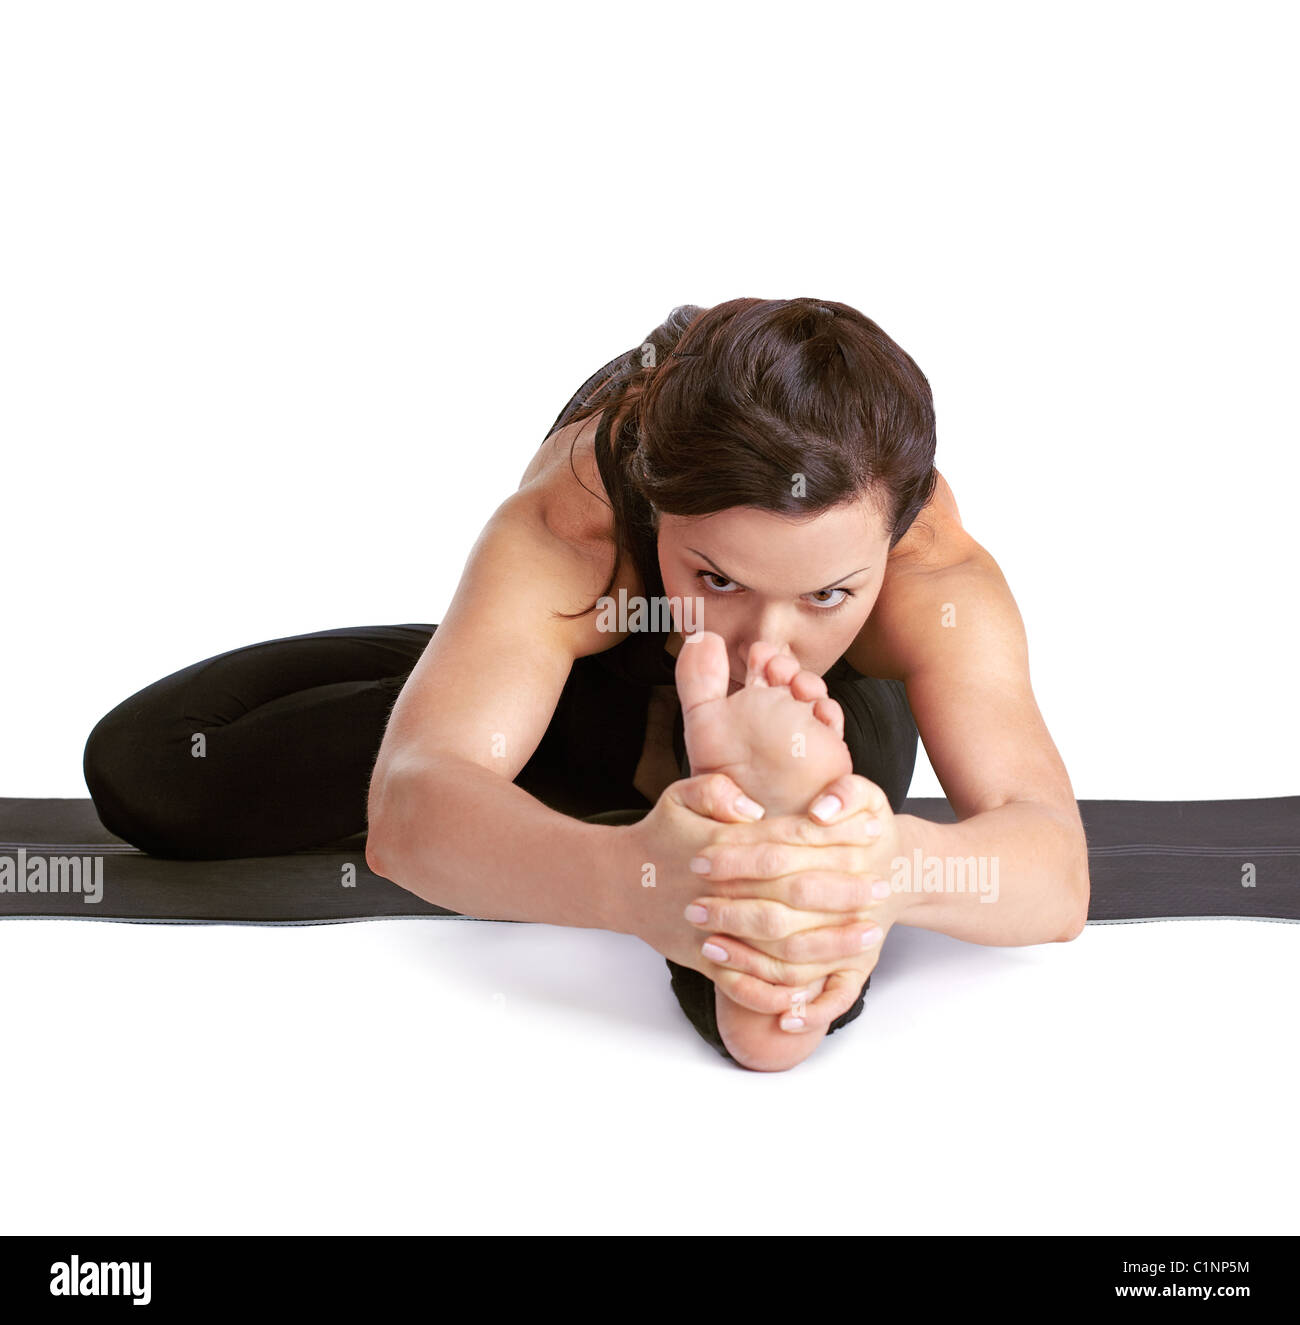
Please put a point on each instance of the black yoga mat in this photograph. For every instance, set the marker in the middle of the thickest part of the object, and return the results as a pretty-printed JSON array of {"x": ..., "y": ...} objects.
[{"x": 1149, "y": 860}]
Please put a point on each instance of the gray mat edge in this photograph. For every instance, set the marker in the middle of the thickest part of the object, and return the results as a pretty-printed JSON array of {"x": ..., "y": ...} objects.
[{"x": 481, "y": 920}]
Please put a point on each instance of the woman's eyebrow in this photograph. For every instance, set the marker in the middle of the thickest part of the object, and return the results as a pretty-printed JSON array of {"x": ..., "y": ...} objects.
[{"x": 718, "y": 570}]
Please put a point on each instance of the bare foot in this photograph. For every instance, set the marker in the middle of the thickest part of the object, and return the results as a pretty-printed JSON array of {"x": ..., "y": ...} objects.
[{"x": 781, "y": 751}]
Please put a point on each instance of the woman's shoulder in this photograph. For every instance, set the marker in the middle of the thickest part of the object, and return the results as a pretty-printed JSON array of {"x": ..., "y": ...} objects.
[
  {"x": 936, "y": 539},
  {"x": 935, "y": 564},
  {"x": 563, "y": 494},
  {"x": 564, "y": 482}
]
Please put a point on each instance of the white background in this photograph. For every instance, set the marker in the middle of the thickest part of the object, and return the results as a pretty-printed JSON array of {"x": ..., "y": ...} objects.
[{"x": 289, "y": 294}]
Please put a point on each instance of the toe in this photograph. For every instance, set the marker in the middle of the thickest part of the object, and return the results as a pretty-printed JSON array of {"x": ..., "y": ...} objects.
[
  {"x": 829, "y": 712},
  {"x": 702, "y": 669},
  {"x": 759, "y": 655},
  {"x": 808, "y": 685},
  {"x": 782, "y": 668}
]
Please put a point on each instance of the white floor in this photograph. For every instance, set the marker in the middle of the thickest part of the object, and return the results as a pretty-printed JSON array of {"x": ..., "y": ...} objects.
[{"x": 461, "y": 1077}]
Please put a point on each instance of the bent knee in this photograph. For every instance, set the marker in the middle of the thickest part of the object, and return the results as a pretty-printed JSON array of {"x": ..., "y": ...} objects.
[{"x": 129, "y": 768}]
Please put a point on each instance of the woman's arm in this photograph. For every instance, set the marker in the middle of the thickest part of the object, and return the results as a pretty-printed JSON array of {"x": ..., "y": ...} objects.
[
  {"x": 445, "y": 819},
  {"x": 954, "y": 635},
  {"x": 1017, "y": 874},
  {"x": 462, "y": 837}
]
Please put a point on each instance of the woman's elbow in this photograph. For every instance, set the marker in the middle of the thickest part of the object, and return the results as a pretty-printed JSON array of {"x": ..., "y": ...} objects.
[
  {"x": 1076, "y": 914},
  {"x": 374, "y": 861},
  {"x": 377, "y": 846}
]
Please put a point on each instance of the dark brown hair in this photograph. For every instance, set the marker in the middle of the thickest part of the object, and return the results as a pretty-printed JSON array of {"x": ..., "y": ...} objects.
[{"x": 725, "y": 406}]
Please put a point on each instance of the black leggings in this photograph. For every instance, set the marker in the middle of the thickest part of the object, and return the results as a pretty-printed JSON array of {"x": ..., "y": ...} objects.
[{"x": 289, "y": 731}]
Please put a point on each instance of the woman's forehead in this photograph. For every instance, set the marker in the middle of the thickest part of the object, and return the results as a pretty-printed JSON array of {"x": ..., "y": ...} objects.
[{"x": 860, "y": 522}]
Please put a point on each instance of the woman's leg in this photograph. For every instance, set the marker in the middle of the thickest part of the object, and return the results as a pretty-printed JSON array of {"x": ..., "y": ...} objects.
[
  {"x": 265, "y": 749},
  {"x": 878, "y": 729},
  {"x": 882, "y": 738}
]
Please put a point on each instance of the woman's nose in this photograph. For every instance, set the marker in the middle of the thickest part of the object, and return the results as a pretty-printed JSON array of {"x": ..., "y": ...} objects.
[{"x": 742, "y": 657}]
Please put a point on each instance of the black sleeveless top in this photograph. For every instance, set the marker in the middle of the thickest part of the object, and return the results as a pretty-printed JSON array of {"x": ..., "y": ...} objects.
[{"x": 588, "y": 755}]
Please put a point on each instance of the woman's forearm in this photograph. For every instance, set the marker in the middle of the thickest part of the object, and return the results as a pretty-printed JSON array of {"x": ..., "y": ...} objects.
[
  {"x": 460, "y": 836},
  {"x": 1014, "y": 875}
]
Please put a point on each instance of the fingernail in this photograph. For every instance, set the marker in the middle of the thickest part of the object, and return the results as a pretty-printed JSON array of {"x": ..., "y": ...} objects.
[
  {"x": 881, "y": 888},
  {"x": 696, "y": 914},
  {"x": 700, "y": 865},
  {"x": 714, "y": 953},
  {"x": 870, "y": 938},
  {"x": 873, "y": 828},
  {"x": 750, "y": 809},
  {"x": 826, "y": 807},
  {"x": 792, "y": 1023}
]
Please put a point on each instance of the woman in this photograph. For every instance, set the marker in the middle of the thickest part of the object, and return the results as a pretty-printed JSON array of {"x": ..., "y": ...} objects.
[{"x": 533, "y": 761}]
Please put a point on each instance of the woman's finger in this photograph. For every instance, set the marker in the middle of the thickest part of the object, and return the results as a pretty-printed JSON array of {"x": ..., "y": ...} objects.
[
  {"x": 817, "y": 896},
  {"x": 830, "y": 896},
  {"x": 782, "y": 932},
  {"x": 732, "y": 955},
  {"x": 839, "y": 995},
  {"x": 848, "y": 796},
  {"x": 731, "y": 865},
  {"x": 757, "y": 995},
  {"x": 859, "y": 823},
  {"x": 715, "y": 796}
]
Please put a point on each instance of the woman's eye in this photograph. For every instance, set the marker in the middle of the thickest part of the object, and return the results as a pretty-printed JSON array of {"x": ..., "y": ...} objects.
[
  {"x": 839, "y": 602},
  {"x": 709, "y": 575},
  {"x": 822, "y": 604}
]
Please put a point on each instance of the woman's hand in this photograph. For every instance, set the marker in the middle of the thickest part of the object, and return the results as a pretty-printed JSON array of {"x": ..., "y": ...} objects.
[
  {"x": 769, "y": 884},
  {"x": 773, "y": 904}
]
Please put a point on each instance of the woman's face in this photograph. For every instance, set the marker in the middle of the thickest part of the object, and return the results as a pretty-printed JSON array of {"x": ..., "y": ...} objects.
[{"x": 808, "y": 584}]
